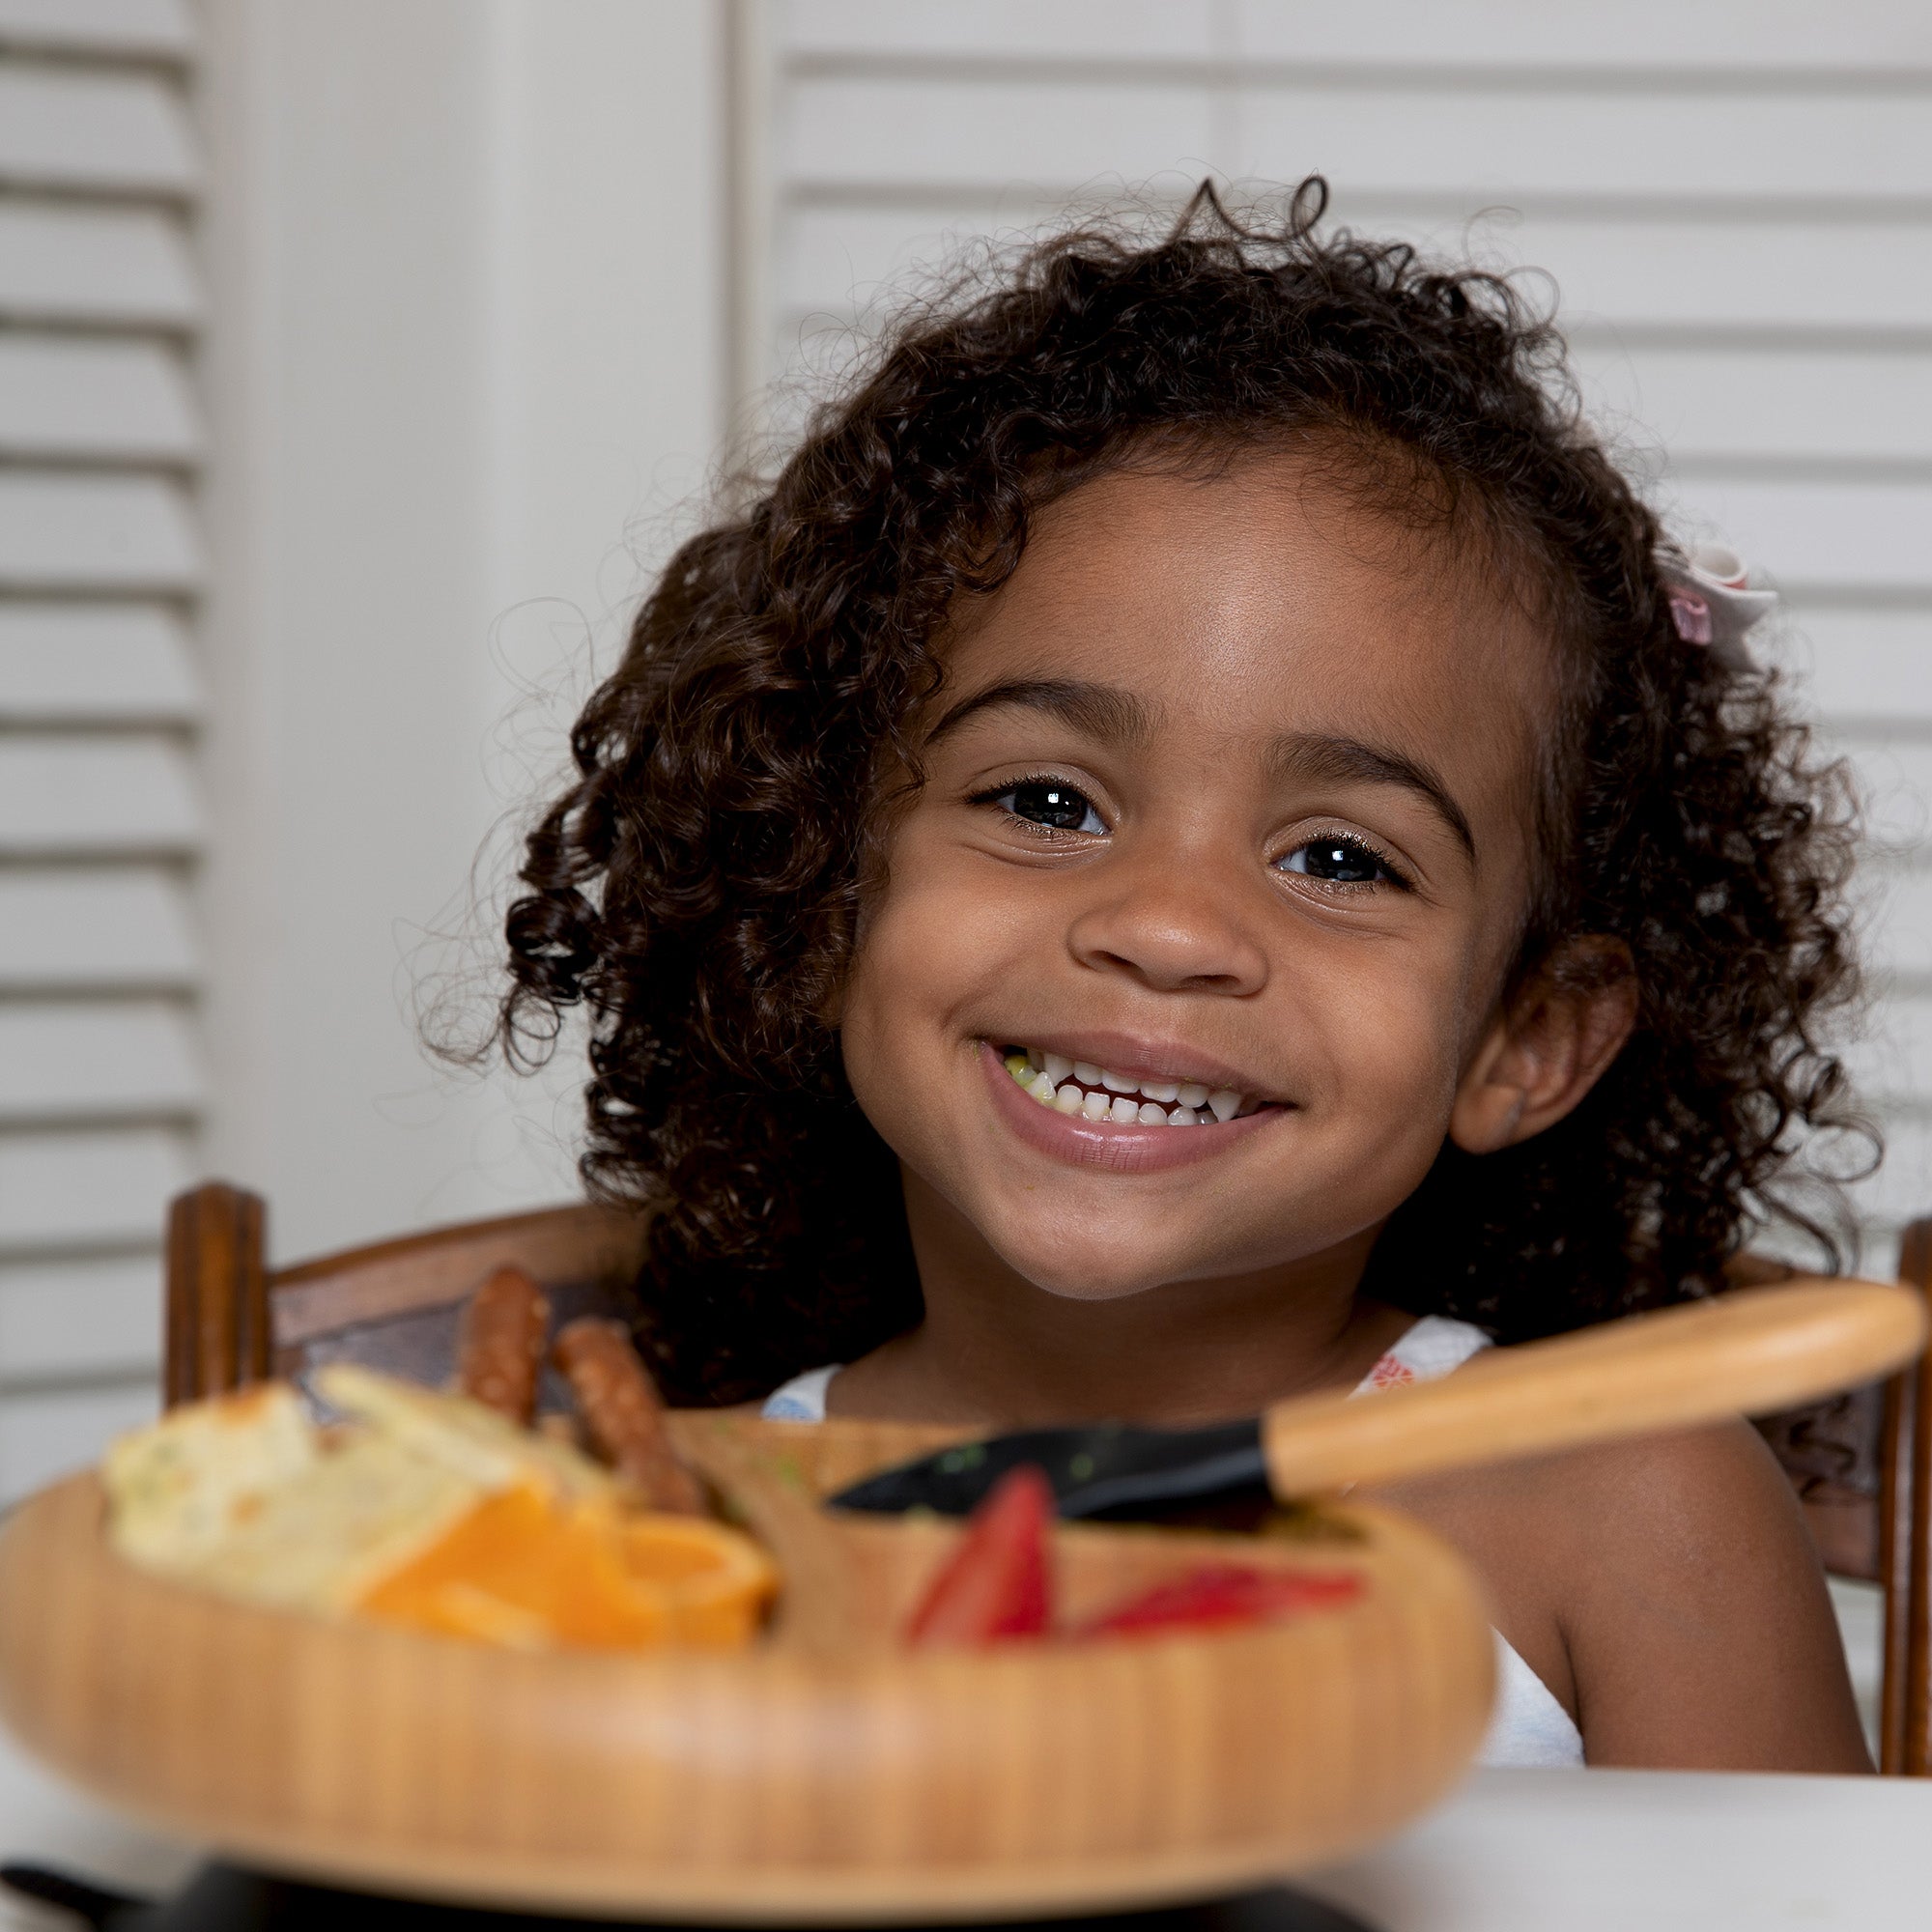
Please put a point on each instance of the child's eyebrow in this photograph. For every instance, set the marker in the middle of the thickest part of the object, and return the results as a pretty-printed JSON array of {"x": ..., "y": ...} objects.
[
  {"x": 1338, "y": 760},
  {"x": 1100, "y": 710}
]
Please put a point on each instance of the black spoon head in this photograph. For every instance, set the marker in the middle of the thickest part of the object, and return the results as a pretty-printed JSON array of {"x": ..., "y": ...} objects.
[{"x": 1111, "y": 1469}]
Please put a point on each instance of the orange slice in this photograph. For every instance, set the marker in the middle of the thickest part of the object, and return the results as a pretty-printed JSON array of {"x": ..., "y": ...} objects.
[
  {"x": 525, "y": 1570},
  {"x": 716, "y": 1581}
]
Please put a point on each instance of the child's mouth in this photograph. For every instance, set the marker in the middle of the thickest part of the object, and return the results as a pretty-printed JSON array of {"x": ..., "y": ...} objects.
[{"x": 1098, "y": 1094}]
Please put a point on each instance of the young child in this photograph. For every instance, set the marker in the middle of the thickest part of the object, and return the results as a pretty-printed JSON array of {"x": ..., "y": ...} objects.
[{"x": 1198, "y": 845}]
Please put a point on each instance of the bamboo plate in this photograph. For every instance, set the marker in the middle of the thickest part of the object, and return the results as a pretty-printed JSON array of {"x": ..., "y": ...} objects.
[{"x": 793, "y": 1783}]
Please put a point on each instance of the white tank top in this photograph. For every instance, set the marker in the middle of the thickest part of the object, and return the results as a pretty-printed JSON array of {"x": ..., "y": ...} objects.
[{"x": 1529, "y": 1726}]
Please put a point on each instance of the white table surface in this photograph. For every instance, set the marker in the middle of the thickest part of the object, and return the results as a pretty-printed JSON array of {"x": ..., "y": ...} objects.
[
  {"x": 1514, "y": 1851},
  {"x": 1649, "y": 1851}
]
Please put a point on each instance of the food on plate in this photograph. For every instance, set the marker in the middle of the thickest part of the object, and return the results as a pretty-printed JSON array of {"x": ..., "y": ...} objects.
[
  {"x": 499, "y": 1350},
  {"x": 1216, "y": 1595},
  {"x": 519, "y": 1572},
  {"x": 466, "y": 1514},
  {"x": 996, "y": 1583},
  {"x": 180, "y": 1488},
  {"x": 461, "y": 1435},
  {"x": 621, "y": 1409},
  {"x": 423, "y": 1509}
]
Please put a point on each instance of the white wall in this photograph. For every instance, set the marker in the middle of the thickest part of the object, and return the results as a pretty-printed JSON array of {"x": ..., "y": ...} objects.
[{"x": 467, "y": 285}]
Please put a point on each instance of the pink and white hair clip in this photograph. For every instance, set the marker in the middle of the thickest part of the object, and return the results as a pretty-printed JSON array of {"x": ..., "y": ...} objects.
[{"x": 1712, "y": 602}]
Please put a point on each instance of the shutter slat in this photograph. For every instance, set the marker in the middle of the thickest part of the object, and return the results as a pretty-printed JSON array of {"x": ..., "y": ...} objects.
[
  {"x": 1745, "y": 277},
  {"x": 1541, "y": 143},
  {"x": 112, "y": 664},
  {"x": 1470, "y": 143},
  {"x": 1901, "y": 1190},
  {"x": 1900, "y": 936},
  {"x": 1662, "y": 35},
  {"x": 1896, "y": 778},
  {"x": 42, "y": 1437},
  {"x": 1891, "y": 1061},
  {"x": 1722, "y": 402},
  {"x": 1074, "y": 28},
  {"x": 1854, "y": 664},
  {"x": 91, "y": 1188},
  {"x": 61, "y": 1062},
  {"x": 117, "y": 267},
  {"x": 118, "y": 133},
  {"x": 124, "y": 29},
  {"x": 80, "y": 797},
  {"x": 948, "y": 131},
  {"x": 1871, "y": 536},
  {"x": 70, "y": 1318},
  {"x": 94, "y": 930},
  {"x": 1729, "y": 36},
  {"x": 95, "y": 400},
  {"x": 82, "y": 532},
  {"x": 1742, "y": 277}
]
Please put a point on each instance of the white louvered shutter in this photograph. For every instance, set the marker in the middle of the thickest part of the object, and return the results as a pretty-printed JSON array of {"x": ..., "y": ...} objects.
[
  {"x": 1735, "y": 201},
  {"x": 100, "y": 569}
]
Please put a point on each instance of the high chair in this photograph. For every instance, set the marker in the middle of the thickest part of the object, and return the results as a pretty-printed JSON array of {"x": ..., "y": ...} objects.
[{"x": 1860, "y": 1465}]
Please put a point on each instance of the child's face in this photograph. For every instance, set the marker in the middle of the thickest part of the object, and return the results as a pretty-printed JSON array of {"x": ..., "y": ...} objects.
[{"x": 1229, "y": 788}]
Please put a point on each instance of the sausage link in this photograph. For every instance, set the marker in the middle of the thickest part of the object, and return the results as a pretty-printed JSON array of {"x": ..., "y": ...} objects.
[
  {"x": 621, "y": 1409},
  {"x": 501, "y": 1355}
]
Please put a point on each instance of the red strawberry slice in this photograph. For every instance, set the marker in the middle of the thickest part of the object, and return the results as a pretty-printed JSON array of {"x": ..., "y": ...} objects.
[
  {"x": 995, "y": 1584},
  {"x": 1220, "y": 1594}
]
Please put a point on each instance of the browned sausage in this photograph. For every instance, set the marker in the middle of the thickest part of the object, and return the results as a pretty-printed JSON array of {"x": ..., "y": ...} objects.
[
  {"x": 500, "y": 1353},
  {"x": 621, "y": 1409}
]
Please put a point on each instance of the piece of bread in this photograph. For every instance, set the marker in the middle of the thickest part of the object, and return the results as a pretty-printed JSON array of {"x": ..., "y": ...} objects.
[
  {"x": 462, "y": 1436},
  {"x": 180, "y": 1486},
  {"x": 322, "y": 1539}
]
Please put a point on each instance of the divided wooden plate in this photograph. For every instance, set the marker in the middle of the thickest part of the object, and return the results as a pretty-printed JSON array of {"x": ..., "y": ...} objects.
[{"x": 799, "y": 1781}]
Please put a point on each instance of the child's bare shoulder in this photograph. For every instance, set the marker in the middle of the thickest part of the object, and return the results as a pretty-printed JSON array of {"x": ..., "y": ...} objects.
[{"x": 1666, "y": 1589}]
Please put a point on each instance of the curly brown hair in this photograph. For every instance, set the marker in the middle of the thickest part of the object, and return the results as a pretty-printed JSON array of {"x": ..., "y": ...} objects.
[{"x": 697, "y": 888}]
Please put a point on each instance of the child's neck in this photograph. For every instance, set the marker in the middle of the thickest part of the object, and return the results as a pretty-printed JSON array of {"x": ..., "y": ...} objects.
[{"x": 995, "y": 1349}]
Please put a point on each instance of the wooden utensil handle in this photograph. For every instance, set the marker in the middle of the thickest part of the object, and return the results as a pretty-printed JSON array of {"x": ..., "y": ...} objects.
[{"x": 1752, "y": 1352}]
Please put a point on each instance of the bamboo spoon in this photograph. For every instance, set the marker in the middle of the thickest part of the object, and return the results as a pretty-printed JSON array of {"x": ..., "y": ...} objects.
[
  {"x": 764, "y": 1486},
  {"x": 1754, "y": 1351}
]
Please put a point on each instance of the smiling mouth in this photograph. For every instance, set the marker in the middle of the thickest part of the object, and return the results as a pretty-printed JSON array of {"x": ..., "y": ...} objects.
[{"x": 1080, "y": 1088}]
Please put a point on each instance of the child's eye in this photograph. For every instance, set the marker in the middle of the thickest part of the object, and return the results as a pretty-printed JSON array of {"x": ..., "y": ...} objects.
[
  {"x": 1338, "y": 861},
  {"x": 1047, "y": 802}
]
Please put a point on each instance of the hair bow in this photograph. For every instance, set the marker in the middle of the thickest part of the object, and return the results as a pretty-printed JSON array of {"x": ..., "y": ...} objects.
[{"x": 1712, "y": 602}]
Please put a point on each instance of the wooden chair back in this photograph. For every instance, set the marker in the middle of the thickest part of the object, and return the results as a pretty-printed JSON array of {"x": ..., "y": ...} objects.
[
  {"x": 395, "y": 1304},
  {"x": 1860, "y": 1465}
]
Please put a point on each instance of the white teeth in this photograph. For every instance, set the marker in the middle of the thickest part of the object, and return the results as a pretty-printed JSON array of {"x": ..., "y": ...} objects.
[{"x": 1058, "y": 1082}]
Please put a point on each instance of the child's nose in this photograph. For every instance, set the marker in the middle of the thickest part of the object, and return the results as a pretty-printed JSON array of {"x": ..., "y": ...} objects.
[{"x": 1175, "y": 924}]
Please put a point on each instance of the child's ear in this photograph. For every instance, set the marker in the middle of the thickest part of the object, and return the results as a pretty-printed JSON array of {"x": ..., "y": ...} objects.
[{"x": 1548, "y": 1047}]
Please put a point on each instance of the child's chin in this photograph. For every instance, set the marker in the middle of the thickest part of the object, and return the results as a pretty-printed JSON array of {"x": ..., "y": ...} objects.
[{"x": 1090, "y": 1277}]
